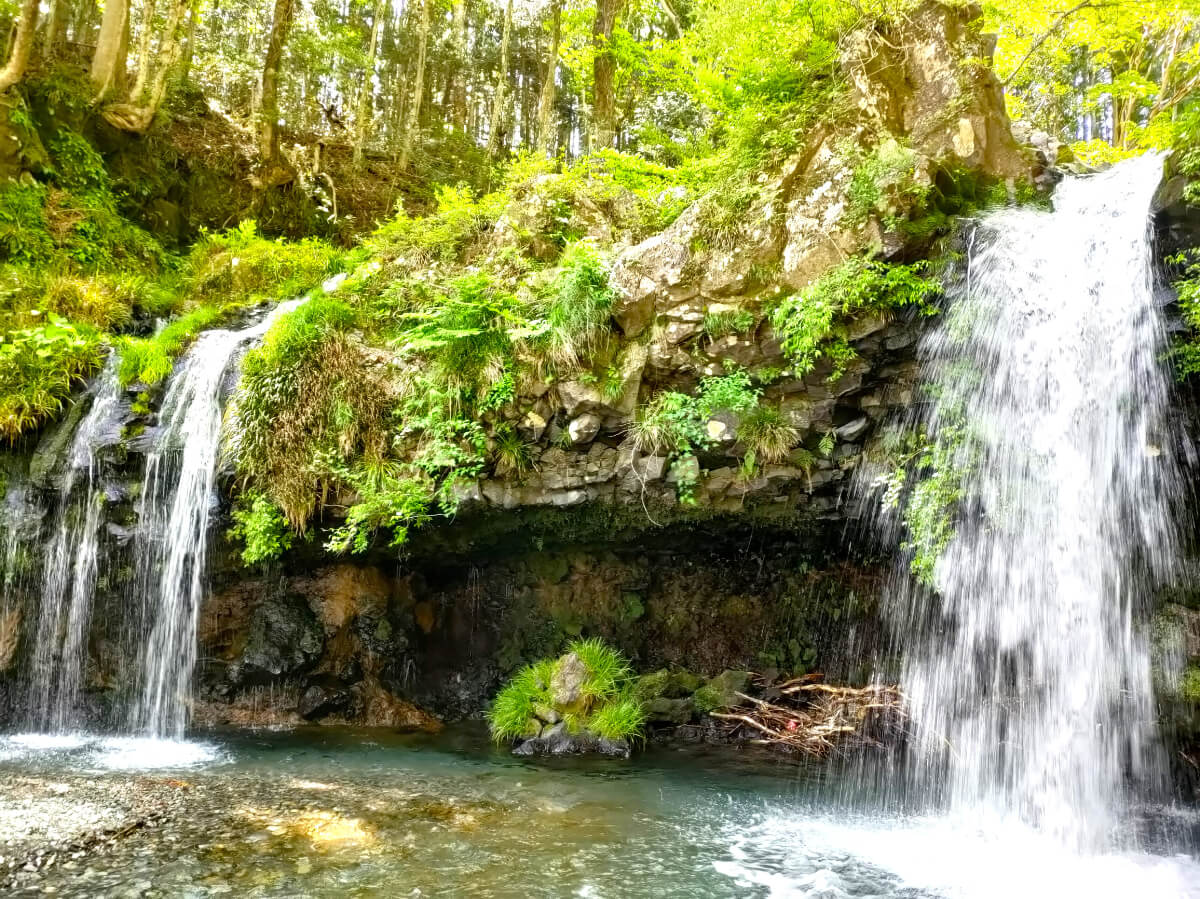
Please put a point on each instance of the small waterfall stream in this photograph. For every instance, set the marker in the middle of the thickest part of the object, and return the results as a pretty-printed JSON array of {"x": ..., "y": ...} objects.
[
  {"x": 176, "y": 504},
  {"x": 71, "y": 565},
  {"x": 169, "y": 548},
  {"x": 1028, "y": 679}
]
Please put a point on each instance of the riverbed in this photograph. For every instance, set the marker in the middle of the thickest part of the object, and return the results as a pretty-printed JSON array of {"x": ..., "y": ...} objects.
[{"x": 366, "y": 813}]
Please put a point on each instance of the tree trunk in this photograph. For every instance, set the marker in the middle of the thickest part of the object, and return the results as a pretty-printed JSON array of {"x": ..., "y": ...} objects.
[
  {"x": 455, "y": 99},
  {"x": 22, "y": 43},
  {"x": 137, "y": 114},
  {"x": 604, "y": 68},
  {"x": 108, "y": 62},
  {"x": 274, "y": 171},
  {"x": 54, "y": 17},
  {"x": 545, "y": 128},
  {"x": 366, "y": 98},
  {"x": 189, "y": 50},
  {"x": 143, "y": 65},
  {"x": 500, "y": 99},
  {"x": 413, "y": 124}
]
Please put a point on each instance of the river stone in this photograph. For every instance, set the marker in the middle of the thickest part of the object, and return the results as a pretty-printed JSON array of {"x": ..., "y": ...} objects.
[{"x": 566, "y": 686}]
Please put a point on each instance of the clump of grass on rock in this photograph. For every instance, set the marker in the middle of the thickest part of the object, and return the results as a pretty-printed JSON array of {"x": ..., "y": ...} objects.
[{"x": 587, "y": 691}]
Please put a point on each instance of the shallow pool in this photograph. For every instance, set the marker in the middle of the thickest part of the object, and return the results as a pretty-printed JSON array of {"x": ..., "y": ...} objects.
[{"x": 345, "y": 813}]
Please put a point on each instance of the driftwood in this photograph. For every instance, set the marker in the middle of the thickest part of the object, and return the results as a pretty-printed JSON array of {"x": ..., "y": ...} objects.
[{"x": 815, "y": 718}]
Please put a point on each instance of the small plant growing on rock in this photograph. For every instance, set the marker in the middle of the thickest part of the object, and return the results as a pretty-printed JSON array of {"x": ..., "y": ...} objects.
[{"x": 586, "y": 692}]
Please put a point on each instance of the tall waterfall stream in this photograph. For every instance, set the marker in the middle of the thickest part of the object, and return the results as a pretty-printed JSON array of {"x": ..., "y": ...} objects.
[{"x": 1028, "y": 680}]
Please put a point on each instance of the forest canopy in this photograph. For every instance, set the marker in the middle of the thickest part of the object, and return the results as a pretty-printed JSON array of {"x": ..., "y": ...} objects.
[{"x": 450, "y": 87}]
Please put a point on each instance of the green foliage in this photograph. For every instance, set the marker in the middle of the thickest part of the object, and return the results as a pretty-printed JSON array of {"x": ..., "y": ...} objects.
[
  {"x": 623, "y": 718},
  {"x": 38, "y": 368},
  {"x": 609, "y": 706},
  {"x": 767, "y": 435},
  {"x": 810, "y": 324},
  {"x": 931, "y": 473},
  {"x": 1186, "y": 350},
  {"x": 579, "y": 305},
  {"x": 260, "y": 525},
  {"x": 726, "y": 322},
  {"x": 511, "y": 715},
  {"x": 24, "y": 230},
  {"x": 608, "y": 670},
  {"x": 883, "y": 179},
  {"x": 413, "y": 242}
]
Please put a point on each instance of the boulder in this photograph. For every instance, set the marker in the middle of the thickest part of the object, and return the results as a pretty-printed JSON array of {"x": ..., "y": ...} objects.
[
  {"x": 566, "y": 687},
  {"x": 584, "y": 428}
]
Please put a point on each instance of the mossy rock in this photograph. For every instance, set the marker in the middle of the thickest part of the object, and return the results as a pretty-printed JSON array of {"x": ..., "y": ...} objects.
[
  {"x": 665, "y": 684},
  {"x": 721, "y": 692}
]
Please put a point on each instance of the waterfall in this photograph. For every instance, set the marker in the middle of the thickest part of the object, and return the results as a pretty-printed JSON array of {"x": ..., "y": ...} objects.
[
  {"x": 1028, "y": 679},
  {"x": 70, "y": 568},
  {"x": 176, "y": 503}
]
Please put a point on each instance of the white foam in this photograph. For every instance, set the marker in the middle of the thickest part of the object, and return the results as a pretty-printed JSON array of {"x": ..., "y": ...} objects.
[
  {"x": 952, "y": 857},
  {"x": 90, "y": 751}
]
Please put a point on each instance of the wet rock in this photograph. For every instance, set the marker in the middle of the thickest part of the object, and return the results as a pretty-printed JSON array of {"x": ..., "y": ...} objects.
[
  {"x": 558, "y": 741},
  {"x": 320, "y": 700},
  {"x": 670, "y": 711},
  {"x": 852, "y": 430},
  {"x": 284, "y": 638},
  {"x": 721, "y": 692}
]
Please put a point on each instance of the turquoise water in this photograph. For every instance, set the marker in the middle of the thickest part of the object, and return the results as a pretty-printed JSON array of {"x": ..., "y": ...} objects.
[{"x": 359, "y": 813}]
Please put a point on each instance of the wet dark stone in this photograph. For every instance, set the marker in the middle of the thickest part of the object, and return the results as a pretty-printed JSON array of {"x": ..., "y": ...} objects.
[
  {"x": 322, "y": 699},
  {"x": 557, "y": 741}
]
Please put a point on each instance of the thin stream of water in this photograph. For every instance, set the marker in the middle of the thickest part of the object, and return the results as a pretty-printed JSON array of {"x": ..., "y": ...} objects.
[{"x": 172, "y": 540}]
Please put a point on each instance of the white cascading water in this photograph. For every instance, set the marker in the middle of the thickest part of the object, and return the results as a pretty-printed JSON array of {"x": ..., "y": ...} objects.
[
  {"x": 71, "y": 566},
  {"x": 1029, "y": 681},
  {"x": 177, "y": 499}
]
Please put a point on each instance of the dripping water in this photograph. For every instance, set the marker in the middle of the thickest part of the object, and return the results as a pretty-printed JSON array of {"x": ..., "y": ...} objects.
[{"x": 1028, "y": 677}]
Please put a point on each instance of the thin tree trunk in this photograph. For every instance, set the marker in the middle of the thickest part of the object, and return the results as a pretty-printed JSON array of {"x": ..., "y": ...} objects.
[
  {"x": 366, "y": 97},
  {"x": 455, "y": 98},
  {"x": 549, "y": 81},
  {"x": 189, "y": 51},
  {"x": 22, "y": 44},
  {"x": 413, "y": 123},
  {"x": 108, "y": 62},
  {"x": 143, "y": 65},
  {"x": 268, "y": 135},
  {"x": 604, "y": 68},
  {"x": 500, "y": 99},
  {"x": 54, "y": 18}
]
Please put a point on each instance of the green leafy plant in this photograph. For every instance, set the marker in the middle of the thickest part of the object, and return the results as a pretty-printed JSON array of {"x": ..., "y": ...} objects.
[
  {"x": 810, "y": 324},
  {"x": 261, "y": 527}
]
